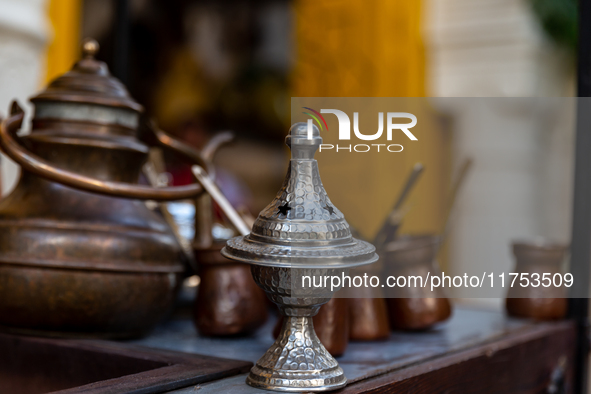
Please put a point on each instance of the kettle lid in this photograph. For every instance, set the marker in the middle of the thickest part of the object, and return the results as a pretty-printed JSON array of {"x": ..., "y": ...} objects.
[{"x": 89, "y": 82}]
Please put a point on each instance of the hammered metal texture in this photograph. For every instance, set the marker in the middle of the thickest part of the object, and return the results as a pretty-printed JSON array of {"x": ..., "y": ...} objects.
[
  {"x": 299, "y": 233},
  {"x": 301, "y": 226},
  {"x": 283, "y": 286},
  {"x": 297, "y": 361},
  {"x": 311, "y": 214}
]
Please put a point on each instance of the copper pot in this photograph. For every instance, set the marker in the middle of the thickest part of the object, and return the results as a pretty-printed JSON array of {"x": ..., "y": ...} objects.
[
  {"x": 228, "y": 300},
  {"x": 75, "y": 259},
  {"x": 414, "y": 308},
  {"x": 368, "y": 319},
  {"x": 540, "y": 303},
  {"x": 332, "y": 325},
  {"x": 368, "y": 311}
]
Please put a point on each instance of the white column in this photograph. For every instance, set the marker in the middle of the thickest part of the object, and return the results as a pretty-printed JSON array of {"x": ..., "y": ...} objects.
[
  {"x": 24, "y": 32},
  {"x": 521, "y": 183}
]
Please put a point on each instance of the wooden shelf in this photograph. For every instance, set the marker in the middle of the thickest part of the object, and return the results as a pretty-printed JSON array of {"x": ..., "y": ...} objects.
[{"x": 476, "y": 351}]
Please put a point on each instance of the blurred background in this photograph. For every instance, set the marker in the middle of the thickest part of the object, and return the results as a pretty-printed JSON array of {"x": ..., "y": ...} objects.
[{"x": 205, "y": 66}]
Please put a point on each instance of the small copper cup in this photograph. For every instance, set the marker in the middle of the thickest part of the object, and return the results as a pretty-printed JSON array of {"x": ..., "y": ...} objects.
[
  {"x": 368, "y": 319},
  {"x": 416, "y": 307},
  {"x": 543, "y": 258},
  {"x": 332, "y": 325},
  {"x": 368, "y": 312},
  {"x": 228, "y": 300}
]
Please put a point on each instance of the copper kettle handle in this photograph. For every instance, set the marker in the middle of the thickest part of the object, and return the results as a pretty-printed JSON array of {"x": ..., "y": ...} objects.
[{"x": 33, "y": 163}]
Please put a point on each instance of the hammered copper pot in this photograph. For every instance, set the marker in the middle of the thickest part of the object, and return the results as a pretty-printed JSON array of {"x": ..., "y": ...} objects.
[
  {"x": 415, "y": 307},
  {"x": 539, "y": 303},
  {"x": 228, "y": 300},
  {"x": 75, "y": 259}
]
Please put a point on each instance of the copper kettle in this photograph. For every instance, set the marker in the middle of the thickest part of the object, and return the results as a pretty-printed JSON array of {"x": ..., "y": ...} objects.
[{"x": 76, "y": 259}]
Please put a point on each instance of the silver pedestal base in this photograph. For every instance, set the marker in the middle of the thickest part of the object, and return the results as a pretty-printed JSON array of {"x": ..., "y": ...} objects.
[{"x": 297, "y": 361}]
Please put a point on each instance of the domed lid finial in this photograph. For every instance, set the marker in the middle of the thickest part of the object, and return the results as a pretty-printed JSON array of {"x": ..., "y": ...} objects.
[
  {"x": 89, "y": 82},
  {"x": 90, "y": 47},
  {"x": 301, "y": 227},
  {"x": 303, "y": 140}
]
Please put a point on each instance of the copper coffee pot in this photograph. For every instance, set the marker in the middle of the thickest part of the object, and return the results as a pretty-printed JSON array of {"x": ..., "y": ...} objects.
[
  {"x": 332, "y": 325},
  {"x": 538, "y": 302},
  {"x": 368, "y": 311},
  {"x": 228, "y": 300},
  {"x": 76, "y": 259},
  {"x": 414, "y": 307}
]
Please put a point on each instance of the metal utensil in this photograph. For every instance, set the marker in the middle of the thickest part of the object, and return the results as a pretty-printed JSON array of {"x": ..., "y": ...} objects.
[
  {"x": 456, "y": 187},
  {"x": 392, "y": 222},
  {"x": 211, "y": 188},
  {"x": 151, "y": 174}
]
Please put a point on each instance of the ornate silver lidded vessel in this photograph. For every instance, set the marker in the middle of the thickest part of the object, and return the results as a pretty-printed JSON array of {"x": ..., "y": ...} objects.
[{"x": 299, "y": 235}]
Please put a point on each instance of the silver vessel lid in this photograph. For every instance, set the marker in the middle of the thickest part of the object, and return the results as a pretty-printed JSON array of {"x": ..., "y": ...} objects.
[{"x": 301, "y": 227}]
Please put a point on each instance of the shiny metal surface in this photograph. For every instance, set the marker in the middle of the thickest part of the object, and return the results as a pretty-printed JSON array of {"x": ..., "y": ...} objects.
[
  {"x": 299, "y": 233},
  {"x": 81, "y": 264},
  {"x": 75, "y": 109},
  {"x": 301, "y": 227},
  {"x": 220, "y": 199},
  {"x": 331, "y": 325},
  {"x": 14, "y": 148},
  {"x": 297, "y": 361},
  {"x": 466, "y": 329},
  {"x": 87, "y": 112}
]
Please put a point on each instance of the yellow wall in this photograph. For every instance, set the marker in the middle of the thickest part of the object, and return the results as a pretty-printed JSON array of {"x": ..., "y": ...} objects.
[
  {"x": 358, "y": 48},
  {"x": 352, "y": 48},
  {"x": 344, "y": 48},
  {"x": 64, "y": 49}
]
